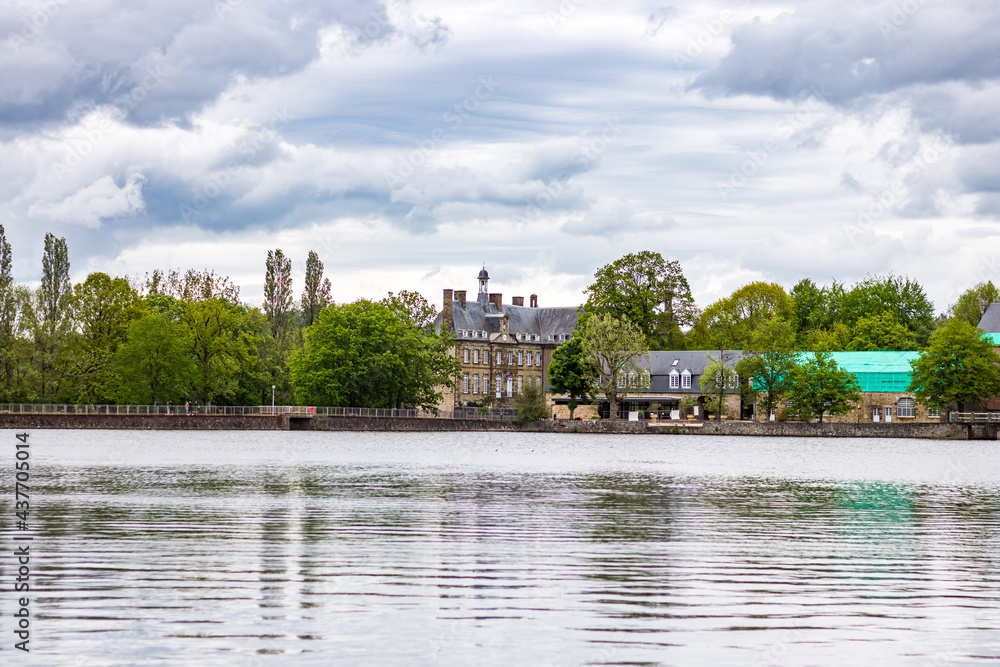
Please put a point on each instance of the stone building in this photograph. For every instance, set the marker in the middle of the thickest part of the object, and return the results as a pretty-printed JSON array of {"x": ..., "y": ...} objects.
[
  {"x": 501, "y": 347},
  {"x": 883, "y": 377}
]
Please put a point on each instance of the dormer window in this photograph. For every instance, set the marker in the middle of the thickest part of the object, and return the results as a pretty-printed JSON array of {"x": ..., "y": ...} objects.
[
  {"x": 686, "y": 379},
  {"x": 675, "y": 379}
]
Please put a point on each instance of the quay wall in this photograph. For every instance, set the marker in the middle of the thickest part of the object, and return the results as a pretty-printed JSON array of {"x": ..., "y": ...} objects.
[{"x": 944, "y": 431}]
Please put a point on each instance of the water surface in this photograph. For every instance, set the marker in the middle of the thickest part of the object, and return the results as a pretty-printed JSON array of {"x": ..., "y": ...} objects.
[{"x": 278, "y": 548}]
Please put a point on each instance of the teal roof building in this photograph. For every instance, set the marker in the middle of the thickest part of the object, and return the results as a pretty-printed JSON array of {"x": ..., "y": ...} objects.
[{"x": 887, "y": 372}]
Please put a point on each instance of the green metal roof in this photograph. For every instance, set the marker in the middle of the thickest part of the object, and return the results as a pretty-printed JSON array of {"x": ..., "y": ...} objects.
[{"x": 877, "y": 371}]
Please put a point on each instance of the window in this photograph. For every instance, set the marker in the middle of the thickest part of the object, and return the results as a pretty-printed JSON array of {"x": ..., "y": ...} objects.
[
  {"x": 499, "y": 384},
  {"x": 675, "y": 379},
  {"x": 475, "y": 356},
  {"x": 520, "y": 358},
  {"x": 510, "y": 357},
  {"x": 905, "y": 407},
  {"x": 686, "y": 379},
  {"x": 520, "y": 384},
  {"x": 734, "y": 381},
  {"x": 675, "y": 362},
  {"x": 934, "y": 413},
  {"x": 486, "y": 383},
  {"x": 465, "y": 383},
  {"x": 486, "y": 357},
  {"x": 465, "y": 356},
  {"x": 499, "y": 357},
  {"x": 475, "y": 383},
  {"x": 538, "y": 358},
  {"x": 529, "y": 358},
  {"x": 537, "y": 337}
]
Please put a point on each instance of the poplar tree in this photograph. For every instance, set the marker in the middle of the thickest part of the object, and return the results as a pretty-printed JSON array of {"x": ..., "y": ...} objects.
[
  {"x": 53, "y": 311},
  {"x": 316, "y": 294},
  {"x": 278, "y": 292},
  {"x": 8, "y": 315}
]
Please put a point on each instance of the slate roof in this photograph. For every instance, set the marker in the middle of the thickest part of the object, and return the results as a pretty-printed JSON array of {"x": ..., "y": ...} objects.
[
  {"x": 479, "y": 316},
  {"x": 990, "y": 321}
]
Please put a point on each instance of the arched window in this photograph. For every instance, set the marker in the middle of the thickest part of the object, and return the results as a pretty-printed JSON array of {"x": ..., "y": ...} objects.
[{"x": 906, "y": 407}]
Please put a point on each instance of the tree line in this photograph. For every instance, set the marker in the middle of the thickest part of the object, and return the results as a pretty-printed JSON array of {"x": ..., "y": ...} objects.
[{"x": 186, "y": 336}]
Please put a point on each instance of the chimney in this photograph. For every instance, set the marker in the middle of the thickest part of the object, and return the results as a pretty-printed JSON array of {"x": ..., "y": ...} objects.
[
  {"x": 447, "y": 321},
  {"x": 497, "y": 299},
  {"x": 534, "y": 301},
  {"x": 460, "y": 297},
  {"x": 984, "y": 303},
  {"x": 517, "y": 301}
]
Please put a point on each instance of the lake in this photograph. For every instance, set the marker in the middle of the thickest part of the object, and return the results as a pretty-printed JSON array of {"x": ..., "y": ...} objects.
[{"x": 301, "y": 548}]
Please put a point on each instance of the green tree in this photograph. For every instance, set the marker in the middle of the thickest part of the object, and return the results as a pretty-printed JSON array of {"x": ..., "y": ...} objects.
[
  {"x": 52, "y": 317},
  {"x": 880, "y": 331},
  {"x": 571, "y": 373},
  {"x": 615, "y": 347},
  {"x": 316, "y": 294},
  {"x": 8, "y": 320},
  {"x": 192, "y": 286},
  {"x": 531, "y": 405},
  {"x": 367, "y": 354},
  {"x": 717, "y": 379},
  {"x": 958, "y": 367},
  {"x": 278, "y": 293},
  {"x": 903, "y": 298},
  {"x": 731, "y": 322},
  {"x": 967, "y": 306},
  {"x": 153, "y": 365},
  {"x": 648, "y": 290},
  {"x": 816, "y": 307},
  {"x": 414, "y": 307},
  {"x": 820, "y": 385},
  {"x": 215, "y": 336},
  {"x": 768, "y": 363},
  {"x": 103, "y": 307}
]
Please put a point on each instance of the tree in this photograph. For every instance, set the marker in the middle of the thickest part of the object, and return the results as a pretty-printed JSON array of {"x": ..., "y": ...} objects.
[
  {"x": 615, "y": 347},
  {"x": 816, "y": 307},
  {"x": 571, "y": 373},
  {"x": 648, "y": 290},
  {"x": 769, "y": 362},
  {"x": 414, "y": 307},
  {"x": 531, "y": 405},
  {"x": 731, "y": 322},
  {"x": 717, "y": 378},
  {"x": 967, "y": 306},
  {"x": 192, "y": 286},
  {"x": 957, "y": 367},
  {"x": 903, "y": 298},
  {"x": 316, "y": 294},
  {"x": 214, "y": 334},
  {"x": 103, "y": 308},
  {"x": 367, "y": 354},
  {"x": 278, "y": 293},
  {"x": 880, "y": 331},
  {"x": 8, "y": 318},
  {"x": 52, "y": 317},
  {"x": 153, "y": 365},
  {"x": 820, "y": 385}
]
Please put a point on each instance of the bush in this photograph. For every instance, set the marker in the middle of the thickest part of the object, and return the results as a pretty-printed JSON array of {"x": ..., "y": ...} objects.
[{"x": 531, "y": 405}]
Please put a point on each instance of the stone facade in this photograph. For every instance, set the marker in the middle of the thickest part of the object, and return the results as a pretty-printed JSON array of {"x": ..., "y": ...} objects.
[{"x": 501, "y": 348}]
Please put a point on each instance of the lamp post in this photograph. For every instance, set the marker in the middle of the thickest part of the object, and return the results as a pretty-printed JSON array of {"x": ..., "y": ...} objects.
[{"x": 272, "y": 399}]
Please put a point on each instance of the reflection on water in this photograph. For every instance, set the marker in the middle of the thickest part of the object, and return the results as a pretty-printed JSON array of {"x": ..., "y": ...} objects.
[{"x": 276, "y": 548}]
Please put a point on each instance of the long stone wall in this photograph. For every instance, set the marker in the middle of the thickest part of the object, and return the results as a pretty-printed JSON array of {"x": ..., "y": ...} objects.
[
  {"x": 143, "y": 422},
  {"x": 320, "y": 423}
]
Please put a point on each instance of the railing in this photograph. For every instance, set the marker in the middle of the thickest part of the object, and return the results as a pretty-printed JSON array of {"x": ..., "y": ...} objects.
[
  {"x": 970, "y": 417},
  {"x": 495, "y": 414}
]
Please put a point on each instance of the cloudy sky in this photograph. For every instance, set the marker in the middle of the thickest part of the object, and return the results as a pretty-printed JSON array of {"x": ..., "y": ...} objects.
[{"x": 409, "y": 143}]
